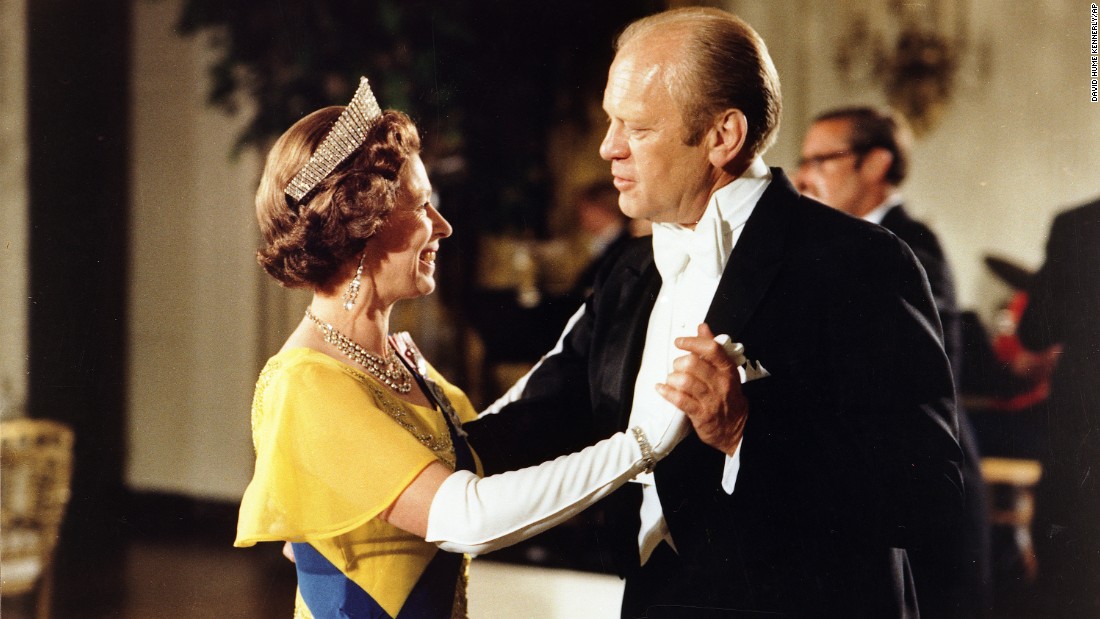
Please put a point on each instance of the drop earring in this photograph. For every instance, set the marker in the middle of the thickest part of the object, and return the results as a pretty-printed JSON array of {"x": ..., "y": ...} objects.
[{"x": 352, "y": 293}]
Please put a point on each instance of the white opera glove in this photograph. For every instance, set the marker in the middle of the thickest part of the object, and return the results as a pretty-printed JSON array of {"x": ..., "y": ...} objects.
[{"x": 476, "y": 515}]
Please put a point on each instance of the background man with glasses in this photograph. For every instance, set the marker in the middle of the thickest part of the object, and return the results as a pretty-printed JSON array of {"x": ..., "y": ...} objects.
[{"x": 855, "y": 159}]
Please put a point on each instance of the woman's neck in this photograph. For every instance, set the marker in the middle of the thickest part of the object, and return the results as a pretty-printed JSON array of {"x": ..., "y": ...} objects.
[{"x": 366, "y": 324}]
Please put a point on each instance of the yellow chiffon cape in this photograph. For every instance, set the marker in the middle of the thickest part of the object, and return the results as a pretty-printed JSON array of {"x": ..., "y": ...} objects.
[{"x": 335, "y": 448}]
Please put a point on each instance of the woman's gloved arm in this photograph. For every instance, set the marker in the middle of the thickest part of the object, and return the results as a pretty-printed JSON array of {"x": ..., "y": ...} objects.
[{"x": 478, "y": 515}]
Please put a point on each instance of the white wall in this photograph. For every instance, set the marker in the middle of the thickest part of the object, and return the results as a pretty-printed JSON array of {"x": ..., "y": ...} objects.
[
  {"x": 1015, "y": 150},
  {"x": 1013, "y": 147},
  {"x": 13, "y": 208},
  {"x": 195, "y": 320}
]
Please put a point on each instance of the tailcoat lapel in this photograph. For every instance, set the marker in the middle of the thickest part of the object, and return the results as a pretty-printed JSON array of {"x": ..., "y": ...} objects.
[
  {"x": 755, "y": 260},
  {"x": 627, "y": 319},
  {"x": 615, "y": 368}
]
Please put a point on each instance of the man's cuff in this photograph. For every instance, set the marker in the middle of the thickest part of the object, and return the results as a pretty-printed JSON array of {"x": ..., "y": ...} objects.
[{"x": 733, "y": 466}]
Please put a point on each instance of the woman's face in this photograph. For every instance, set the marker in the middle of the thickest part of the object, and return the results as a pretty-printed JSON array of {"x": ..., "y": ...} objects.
[{"x": 404, "y": 250}]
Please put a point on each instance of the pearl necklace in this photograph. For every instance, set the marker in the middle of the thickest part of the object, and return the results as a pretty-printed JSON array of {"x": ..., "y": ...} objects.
[{"x": 387, "y": 369}]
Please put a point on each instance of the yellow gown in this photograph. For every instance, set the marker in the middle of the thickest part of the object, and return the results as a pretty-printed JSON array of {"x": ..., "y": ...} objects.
[{"x": 334, "y": 448}]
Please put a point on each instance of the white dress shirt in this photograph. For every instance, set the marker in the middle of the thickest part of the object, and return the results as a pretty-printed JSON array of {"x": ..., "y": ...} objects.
[
  {"x": 691, "y": 262},
  {"x": 877, "y": 214}
]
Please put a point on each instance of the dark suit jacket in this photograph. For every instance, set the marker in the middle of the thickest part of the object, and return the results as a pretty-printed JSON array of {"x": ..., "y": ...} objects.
[
  {"x": 1064, "y": 308},
  {"x": 953, "y": 576},
  {"x": 849, "y": 452},
  {"x": 926, "y": 247}
]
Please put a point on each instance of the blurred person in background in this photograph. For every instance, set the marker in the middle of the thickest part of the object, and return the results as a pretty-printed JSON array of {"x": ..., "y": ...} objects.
[
  {"x": 605, "y": 229},
  {"x": 855, "y": 159},
  {"x": 1064, "y": 309}
]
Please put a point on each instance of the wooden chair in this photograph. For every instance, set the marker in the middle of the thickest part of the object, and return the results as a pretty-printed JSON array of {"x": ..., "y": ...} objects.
[
  {"x": 1012, "y": 484},
  {"x": 35, "y": 482}
]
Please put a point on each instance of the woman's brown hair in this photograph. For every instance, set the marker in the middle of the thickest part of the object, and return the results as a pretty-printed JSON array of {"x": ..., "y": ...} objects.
[{"x": 306, "y": 243}]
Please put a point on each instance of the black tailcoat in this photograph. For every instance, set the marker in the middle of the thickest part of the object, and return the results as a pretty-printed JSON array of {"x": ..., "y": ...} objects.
[
  {"x": 850, "y": 451},
  {"x": 953, "y": 575}
]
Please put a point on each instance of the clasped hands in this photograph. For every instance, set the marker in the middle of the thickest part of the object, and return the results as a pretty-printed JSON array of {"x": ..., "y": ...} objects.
[{"x": 706, "y": 386}]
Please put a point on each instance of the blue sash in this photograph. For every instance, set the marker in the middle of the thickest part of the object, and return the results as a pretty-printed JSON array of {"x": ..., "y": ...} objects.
[{"x": 330, "y": 594}]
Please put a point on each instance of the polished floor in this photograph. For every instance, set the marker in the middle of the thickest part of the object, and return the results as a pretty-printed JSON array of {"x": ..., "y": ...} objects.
[
  {"x": 193, "y": 578},
  {"x": 175, "y": 579}
]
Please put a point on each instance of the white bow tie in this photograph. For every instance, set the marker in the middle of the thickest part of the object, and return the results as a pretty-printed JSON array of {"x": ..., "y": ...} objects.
[{"x": 674, "y": 247}]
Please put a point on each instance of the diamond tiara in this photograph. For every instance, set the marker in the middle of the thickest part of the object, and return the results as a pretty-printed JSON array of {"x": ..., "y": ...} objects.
[{"x": 347, "y": 134}]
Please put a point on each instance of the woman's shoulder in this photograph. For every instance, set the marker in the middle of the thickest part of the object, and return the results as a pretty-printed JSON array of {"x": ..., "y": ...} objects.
[
  {"x": 298, "y": 359},
  {"x": 295, "y": 364},
  {"x": 297, "y": 378}
]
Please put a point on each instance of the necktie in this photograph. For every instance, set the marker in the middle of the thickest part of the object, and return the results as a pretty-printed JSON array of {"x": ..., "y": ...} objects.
[
  {"x": 671, "y": 250},
  {"x": 675, "y": 246}
]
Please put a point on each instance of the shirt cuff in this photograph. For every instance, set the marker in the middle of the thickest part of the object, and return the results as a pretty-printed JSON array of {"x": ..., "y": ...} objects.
[{"x": 732, "y": 468}]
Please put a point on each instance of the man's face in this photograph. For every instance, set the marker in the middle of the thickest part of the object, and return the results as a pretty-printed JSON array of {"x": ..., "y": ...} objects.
[
  {"x": 830, "y": 170},
  {"x": 659, "y": 178}
]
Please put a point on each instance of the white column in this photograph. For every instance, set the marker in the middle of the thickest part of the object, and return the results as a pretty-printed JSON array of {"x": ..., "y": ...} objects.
[{"x": 13, "y": 208}]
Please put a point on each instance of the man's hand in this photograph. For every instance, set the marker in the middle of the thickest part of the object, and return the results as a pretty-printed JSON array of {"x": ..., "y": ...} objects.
[
  {"x": 706, "y": 386},
  {"x": 1035, "y": 366}
]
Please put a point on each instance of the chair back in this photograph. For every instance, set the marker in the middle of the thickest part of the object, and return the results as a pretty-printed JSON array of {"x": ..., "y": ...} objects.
[{"x": 35, "y": 480}]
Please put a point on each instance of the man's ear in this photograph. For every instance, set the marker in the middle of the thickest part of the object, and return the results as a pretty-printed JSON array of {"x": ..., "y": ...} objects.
[
  {"x": 876, "y": 163},
  {"x": 727, "y": 137}
]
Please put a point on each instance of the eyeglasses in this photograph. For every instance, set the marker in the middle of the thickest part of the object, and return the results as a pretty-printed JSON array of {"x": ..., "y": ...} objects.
[{"x": 816, "y": 160}]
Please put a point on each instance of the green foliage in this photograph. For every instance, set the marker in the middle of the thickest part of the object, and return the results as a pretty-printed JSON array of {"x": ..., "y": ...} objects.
[
  {"x": 294, "y": 56},
  {"x": 484, "y": 80}
]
